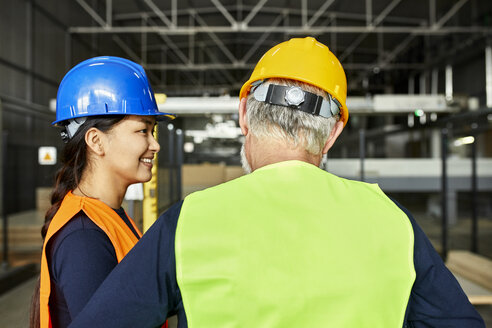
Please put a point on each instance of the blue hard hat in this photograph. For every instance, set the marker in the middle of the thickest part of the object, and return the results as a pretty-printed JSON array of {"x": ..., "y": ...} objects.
[{"x": 106, "y": 86}]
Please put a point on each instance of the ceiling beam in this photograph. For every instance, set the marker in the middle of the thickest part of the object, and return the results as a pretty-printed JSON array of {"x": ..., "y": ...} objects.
[
  {"x": 159, "y": 13},
  {"x": 129, "y": 52},
  {"x": 261, "y": 40},
  {"x": 407, "y": 41},
  {"x": 273, "y": 10},
  {"x": 170, "y": 44},
  {"x": 290, "y": 30},
  {"x": 404, "y": 44},
  {"x": 93, "y": 13},
  {"x": 373, "y": 24},
  {"x": 224, "y": 12},
  {"x": 253, "y": 12},
  {"x": 217, "y": 40},
  {"x": 318, "y": 13},
  {"x": 249, "y": 66},
  {"x": 443, "y": 20},
  {"x": 109, "y": 13},
  {"x": 177, "y": 51},
  {"x": 225, "y": 73},
  {"x": 379, "y": 19}
]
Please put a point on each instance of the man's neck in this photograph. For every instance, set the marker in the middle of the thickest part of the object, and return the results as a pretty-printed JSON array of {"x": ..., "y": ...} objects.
[{"x": 265, "y": 152}]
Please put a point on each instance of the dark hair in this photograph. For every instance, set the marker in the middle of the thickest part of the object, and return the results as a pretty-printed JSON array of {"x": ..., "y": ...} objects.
[{"x": 74, "y": 162}]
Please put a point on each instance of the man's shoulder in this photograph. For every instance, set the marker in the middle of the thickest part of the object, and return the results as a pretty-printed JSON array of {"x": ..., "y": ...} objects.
[
  {"x": 225, "y": 186},
  {"x": 172, "y": 213}
]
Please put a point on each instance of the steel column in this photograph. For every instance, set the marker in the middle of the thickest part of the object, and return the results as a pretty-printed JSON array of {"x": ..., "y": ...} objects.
[
  {"x": 109, "y": 13},
  {"x": 179, "y": 162},
  {"x": 362, "y": 152},
  {"x": 444, "y": 193},
  {"x": 68, "y": 51},
  {"x": 488, "y": 75},
  {"x": 434, "y": 81},
  {"x": 171, "y": 160},
  {"x": 423, "y": 83},
  {"x": 29, "y": 50},
  {"x": 5, "y": 258},
  {"x": 474, "y": 202},
  {"x": 449, "y": 83}
]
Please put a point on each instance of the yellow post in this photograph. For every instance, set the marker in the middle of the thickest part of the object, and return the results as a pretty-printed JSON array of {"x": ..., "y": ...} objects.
[
  {"x": 149, "y": 203},
  {"x": 150, "y": 194}
]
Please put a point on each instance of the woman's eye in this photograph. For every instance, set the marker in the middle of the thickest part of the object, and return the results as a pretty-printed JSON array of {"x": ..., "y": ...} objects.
[{"x": 147, "y": 130}]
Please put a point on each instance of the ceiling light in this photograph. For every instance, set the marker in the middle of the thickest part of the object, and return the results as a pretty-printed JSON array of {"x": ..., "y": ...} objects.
[{"x": 464, "y": 141}]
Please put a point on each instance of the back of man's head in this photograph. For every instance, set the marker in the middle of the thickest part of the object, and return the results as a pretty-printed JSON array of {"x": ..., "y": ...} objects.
[
  {"x": 288, "y": 125},
  {"x": 296, "y": 94}
]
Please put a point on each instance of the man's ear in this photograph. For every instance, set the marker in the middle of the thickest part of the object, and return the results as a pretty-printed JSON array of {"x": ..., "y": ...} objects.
[
  {"x": 93, "y": 139},
  {"x": 335, "y": 132},
  {"x": 243, "y": 122}
]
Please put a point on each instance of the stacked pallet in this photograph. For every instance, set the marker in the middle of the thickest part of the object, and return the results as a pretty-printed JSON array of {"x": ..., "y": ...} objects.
[{"x": 474, "y": 272}]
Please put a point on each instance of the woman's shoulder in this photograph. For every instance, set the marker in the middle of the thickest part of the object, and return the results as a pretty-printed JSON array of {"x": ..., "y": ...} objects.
[
  {"x": 78, "y": 243},
  {"x": 77, "y": 229},
  {"x": 79, "y": 222}
]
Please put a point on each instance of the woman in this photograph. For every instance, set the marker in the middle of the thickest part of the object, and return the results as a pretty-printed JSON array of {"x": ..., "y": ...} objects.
[{"x": 108, "y": 112}]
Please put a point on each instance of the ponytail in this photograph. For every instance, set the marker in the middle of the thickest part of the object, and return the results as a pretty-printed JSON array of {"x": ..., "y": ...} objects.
[{"x": 67, "y": 178}]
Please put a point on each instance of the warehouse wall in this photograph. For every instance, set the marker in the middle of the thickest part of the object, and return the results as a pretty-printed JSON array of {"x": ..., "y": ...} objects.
[{"x": 35, "y": 52}]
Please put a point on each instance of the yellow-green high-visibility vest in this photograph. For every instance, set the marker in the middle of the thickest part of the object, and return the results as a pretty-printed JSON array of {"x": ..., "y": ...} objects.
[{"x": 291, "y": 245}]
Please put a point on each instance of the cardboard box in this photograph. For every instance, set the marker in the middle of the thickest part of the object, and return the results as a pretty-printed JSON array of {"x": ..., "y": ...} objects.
[
  {"x": 233, "y": 172},
  {"x": 43, "y": 198}
]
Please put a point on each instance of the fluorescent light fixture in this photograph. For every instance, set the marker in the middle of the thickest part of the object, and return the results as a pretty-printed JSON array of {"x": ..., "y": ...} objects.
[{"x": 464, "y": 141}]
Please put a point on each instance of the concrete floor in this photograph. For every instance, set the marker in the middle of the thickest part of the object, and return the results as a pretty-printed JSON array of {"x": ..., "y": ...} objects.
[
  {"x": 14, "y": 304},
  {"x": 14, "y": 307}
]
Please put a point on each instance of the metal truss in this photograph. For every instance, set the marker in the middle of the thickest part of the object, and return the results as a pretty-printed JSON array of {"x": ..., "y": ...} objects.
[{"x": 214, "y": 43}]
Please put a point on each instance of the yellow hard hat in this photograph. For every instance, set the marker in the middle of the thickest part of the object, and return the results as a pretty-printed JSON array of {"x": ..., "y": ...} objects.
[{"x": 305, "y": 60}]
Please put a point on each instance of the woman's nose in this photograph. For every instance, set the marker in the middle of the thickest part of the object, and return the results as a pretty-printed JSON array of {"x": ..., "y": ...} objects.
[{"x": 154, "y": 145}]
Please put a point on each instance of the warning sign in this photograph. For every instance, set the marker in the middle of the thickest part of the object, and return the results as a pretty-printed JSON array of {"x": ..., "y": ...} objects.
[{"x": 47, "y": 155}]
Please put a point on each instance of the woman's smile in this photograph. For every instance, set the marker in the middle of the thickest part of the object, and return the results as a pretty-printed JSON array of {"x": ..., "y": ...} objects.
[{"x": 147, "y": 161}]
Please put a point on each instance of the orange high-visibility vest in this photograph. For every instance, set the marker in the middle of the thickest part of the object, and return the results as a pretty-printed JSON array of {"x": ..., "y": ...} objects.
[{"x": 120, "y": 235}]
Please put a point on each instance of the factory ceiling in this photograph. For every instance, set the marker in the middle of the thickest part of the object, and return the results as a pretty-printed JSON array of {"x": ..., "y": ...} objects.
[{"x": 197, "y": 47}]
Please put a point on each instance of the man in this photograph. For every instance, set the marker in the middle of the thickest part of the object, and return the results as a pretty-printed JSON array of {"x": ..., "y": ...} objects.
[{"x": 288, "y": 245}]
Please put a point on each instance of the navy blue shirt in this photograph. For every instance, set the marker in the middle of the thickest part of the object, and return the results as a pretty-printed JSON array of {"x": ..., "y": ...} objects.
[
  {"x": 142, "y": 290},
  {"x": 80, "y": 256}
]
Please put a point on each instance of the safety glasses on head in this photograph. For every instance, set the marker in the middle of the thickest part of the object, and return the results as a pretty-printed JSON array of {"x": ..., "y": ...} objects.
[{"x": 295, "y": 97}]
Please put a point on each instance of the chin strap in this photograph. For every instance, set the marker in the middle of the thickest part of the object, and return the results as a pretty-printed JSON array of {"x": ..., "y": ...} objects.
[
  {"x": 71, "y": 128},
  {"x": 297, "y": 98}
]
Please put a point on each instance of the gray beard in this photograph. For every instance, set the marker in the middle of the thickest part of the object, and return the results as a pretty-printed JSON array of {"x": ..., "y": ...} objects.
[{"x": 244, "y": 161}]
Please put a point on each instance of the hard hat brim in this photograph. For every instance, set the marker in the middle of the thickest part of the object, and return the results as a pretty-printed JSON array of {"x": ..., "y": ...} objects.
[{"x": 160, "y": 116}]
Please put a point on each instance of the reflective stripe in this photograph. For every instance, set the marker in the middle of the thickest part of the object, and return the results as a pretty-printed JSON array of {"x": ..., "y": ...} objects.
[{"x": 293, "y": 246}]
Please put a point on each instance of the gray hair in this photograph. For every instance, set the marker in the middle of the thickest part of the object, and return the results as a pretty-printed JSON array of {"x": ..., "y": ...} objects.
[{"x": 287, "y": 124}]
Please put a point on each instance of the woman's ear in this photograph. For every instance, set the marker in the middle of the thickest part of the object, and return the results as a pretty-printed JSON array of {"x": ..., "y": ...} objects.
[{"x": 93, "y": 139}]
